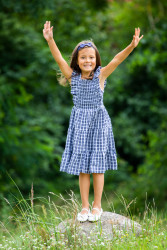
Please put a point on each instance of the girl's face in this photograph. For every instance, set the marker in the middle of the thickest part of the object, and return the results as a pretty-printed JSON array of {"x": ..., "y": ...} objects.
[{"x": 87, "y": 59}]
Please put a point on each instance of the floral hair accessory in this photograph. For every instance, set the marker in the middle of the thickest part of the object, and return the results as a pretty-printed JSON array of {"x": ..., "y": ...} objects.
[{"x": 83, "y": 45}]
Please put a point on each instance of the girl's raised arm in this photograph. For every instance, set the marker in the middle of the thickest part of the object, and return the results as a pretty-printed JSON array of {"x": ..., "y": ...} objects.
[
  {"x": 121, "y": 56},
  {"x": 63, "y": 65}
]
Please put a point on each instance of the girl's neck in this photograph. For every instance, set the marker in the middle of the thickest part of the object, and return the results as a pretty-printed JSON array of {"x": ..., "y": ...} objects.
[{"x": 85, "y": 75}]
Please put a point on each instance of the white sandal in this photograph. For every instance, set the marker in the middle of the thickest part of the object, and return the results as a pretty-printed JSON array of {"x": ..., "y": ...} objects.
[
  {"x": 83, "y": 217},
  {"x": 95, "y": 217}
]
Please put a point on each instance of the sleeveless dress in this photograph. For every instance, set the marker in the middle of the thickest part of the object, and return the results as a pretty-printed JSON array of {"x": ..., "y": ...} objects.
[{"x": 90, "y": 146}]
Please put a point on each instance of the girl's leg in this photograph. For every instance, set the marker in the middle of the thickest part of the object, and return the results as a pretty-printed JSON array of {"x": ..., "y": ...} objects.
[
  {"x": 84, "y": 184},
  {"x": 98, "y": 184}
]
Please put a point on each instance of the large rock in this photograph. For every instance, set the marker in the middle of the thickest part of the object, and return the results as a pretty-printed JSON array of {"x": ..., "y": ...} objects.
[{"x": 110, "y": 224}]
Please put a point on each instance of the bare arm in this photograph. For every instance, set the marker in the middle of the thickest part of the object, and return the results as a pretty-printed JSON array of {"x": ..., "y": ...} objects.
[
  {"x": 121, "y": 56},
  {"x": 63, "y": 65}
]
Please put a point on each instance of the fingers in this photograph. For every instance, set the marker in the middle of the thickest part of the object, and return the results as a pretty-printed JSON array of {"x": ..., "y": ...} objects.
[
  {"x": 140, "y": 37},
  {"x": 47, "y": 25},
  {"x": 137, "y": 31}
]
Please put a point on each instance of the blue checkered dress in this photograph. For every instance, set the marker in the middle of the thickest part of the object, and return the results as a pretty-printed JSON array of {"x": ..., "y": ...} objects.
[{"x": 90, "y": 146}]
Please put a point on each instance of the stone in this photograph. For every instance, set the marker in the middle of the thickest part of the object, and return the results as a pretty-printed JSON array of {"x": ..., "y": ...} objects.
[{"x": 109, "y": 225}]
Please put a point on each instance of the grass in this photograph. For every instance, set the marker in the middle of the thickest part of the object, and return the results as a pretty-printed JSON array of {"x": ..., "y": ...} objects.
[{"x": 32, "y": 225}]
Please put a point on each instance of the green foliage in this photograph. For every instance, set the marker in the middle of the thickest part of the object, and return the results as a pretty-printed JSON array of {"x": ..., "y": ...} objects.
[
  {"x": 35, "y": 109},
  {"x": 29, "y": 115},
  {"x": 154, "y": 171},
  {"x": 142, "y": 125}
]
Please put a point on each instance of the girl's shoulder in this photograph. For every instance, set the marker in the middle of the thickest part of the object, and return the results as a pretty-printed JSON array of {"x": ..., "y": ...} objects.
[
  {"x": 97, "y": 71},
  {"x": 74, "y": 73},
  {"x": 74, "y": 76}
]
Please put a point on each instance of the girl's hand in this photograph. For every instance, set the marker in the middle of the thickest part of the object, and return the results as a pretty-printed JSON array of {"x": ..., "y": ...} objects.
[
  {"x": 47, "y": 31},
  {"x": 136, "y": 38}
]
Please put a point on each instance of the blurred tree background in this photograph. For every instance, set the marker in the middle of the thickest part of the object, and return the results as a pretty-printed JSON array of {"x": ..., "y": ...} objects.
[{"x": 35, "y": 109}]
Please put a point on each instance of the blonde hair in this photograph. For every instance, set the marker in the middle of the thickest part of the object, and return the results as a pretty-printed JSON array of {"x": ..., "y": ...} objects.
[
  {"x": 73, "y": 63},
  {"x": 62, "y": 80}
]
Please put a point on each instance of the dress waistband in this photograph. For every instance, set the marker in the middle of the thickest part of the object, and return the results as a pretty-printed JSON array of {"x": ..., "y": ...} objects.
[{"x": 95, "y": 108}]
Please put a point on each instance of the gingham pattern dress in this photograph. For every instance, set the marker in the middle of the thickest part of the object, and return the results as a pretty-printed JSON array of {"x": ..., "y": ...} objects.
[{"x": 90, "y": 146}]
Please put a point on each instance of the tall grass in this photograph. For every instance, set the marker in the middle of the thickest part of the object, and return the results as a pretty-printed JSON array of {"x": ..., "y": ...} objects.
[{"x": 32, "y": 224}]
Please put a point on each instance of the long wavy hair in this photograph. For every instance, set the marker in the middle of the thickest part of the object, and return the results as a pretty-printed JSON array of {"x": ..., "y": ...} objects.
[{"x": 73, "y": 63}]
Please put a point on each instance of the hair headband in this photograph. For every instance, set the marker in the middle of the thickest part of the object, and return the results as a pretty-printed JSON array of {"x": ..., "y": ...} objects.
[{"x": 82, "y": 45}]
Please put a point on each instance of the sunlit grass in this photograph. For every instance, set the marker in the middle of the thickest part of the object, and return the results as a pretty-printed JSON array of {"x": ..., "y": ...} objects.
[{"x": 33, "y": 222}]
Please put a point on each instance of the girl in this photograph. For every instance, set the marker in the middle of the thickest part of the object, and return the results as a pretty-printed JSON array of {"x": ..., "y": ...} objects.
[{"x": 90, "y": 146}]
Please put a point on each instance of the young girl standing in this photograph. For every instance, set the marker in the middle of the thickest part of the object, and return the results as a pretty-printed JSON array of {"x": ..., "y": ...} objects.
[{"x": 90, "y": 146}]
